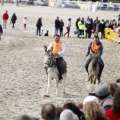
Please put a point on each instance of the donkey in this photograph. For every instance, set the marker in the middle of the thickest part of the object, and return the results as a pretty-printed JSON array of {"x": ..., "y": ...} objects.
[
  {"x": 52, "y": 71},
  {"x": 93, "y": 69}
]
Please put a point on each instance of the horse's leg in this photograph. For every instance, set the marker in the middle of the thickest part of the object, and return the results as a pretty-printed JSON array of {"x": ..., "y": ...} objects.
[
  {"x": 48, "y": 86},
  {"x": 64, "y": 77},
  {"x": 91, "y": 78},
  {"x": 56, "y": 86},
  {"x": 95, "y": 77}
]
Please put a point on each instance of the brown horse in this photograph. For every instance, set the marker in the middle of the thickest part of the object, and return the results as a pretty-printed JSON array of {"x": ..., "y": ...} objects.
[
  {"x": 93, "y": 69},
  {"x": 52, "y": 71}
]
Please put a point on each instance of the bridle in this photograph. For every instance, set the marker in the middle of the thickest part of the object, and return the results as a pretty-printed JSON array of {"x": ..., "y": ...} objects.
[{"x": 50, "y": 64}]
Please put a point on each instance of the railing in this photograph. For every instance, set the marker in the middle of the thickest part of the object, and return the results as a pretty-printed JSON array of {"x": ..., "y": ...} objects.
[{"x": 112, "y": 36}]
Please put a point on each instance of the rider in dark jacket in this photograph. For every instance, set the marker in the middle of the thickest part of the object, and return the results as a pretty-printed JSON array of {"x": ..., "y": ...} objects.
[{"x": 95, "y": 47}]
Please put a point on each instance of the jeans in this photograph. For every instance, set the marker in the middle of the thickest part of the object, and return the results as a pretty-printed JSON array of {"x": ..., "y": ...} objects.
[
  {"x": 61, "y": 32},
  {"x": 56, "y": 30},
  {"x": 100, "y": 61},
  {"x": 13, "y": 25},
  {"x": 38, "y": 30},
  {"x": 68, "y": 31},
  {"x": 59, "y": 66}
]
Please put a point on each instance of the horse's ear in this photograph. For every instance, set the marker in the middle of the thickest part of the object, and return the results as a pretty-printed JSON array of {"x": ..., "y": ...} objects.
[{"x": 45, "y": 48}]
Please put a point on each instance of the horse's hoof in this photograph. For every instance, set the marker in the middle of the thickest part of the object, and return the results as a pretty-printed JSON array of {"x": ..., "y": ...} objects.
[
  {"x": 99, "y": 82},
  {"x": 46, "y": 95}
]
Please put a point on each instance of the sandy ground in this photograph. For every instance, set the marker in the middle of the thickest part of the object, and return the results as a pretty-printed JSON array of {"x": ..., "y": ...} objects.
[{"x": 23, "y": 80}]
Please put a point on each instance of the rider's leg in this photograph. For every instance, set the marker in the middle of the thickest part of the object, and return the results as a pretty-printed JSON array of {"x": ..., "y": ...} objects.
[
  {"x": 101, "y": 63},
  {"x": 59, "y": 66},
  {"x": 88, "y": 62}
]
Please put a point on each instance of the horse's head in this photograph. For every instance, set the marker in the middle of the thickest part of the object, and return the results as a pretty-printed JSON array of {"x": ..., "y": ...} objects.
[
  {"x": 48, "y": 58},
  {"x": 95, "y": 58}
]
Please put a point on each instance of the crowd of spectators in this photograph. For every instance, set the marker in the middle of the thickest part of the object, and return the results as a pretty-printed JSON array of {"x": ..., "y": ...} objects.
[
  {"x": 96, "y": 26},
  {"x": 104, "y": 104}
]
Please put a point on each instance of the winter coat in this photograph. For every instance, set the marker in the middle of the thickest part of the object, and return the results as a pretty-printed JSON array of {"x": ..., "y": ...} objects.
[
  {"x": 88, "y": 27},
  {"x": 99, "y": 27},
  {"x": 61, "y": 24},
  {"x": 1, "y": 30},
  {"x": 5, "y": 16},
  {"x": 57, "y": 23},
  {"x": 102, "y": 27},
  {"x": 13, "y": 19},
  {"x": 39, "y": 23}
]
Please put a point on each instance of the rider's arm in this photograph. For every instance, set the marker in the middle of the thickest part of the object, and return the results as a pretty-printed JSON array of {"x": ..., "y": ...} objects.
[
  {"x": 100, "y": 51},
  {"x": 63, "y": 50},
  {"x": 49, "y": 47},
  {"x": 88, "y": 52}
]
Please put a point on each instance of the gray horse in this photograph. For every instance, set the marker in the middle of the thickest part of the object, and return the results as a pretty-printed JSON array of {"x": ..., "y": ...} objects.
[
  {"x": 93, "y": 69},
  {"x": 52, "y": 71}
]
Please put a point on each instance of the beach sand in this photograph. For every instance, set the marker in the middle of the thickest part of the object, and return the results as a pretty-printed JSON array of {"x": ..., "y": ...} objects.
[{"x": 23, "y": 80}]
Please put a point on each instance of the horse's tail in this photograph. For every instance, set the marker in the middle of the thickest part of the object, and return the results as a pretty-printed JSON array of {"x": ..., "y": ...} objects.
[{"x": 64, "y": 67}]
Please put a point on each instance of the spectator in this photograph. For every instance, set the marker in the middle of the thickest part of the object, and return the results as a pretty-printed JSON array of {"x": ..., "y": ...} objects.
[
  {"x": 106, "y": 100},
  {"x": 25, "y": 22},
  {"x": 48, "y": 112},
  {"x": 102, "y": 29},
  {"x": 88, "y": 99},
  {"x": 93, "y": 111},
  {"x": 39, "y": 25},
  {"x": 5, "y": 18},
  {"x": 68, "y": 25},
  {"x": 1, "y": 31},
  {"x": 112, "y": 87},
  {"x": 68, "y": 115},
  {"x": 114, "y": 112},
  {"x": 57, "y": 26},
  {"x": 96, "y": 27},
  {"x": 81, "y": 25},
  {"x": 61, "y": 28},
  {"x": 76, "y": 24},
  {"x": 13, "y": 19},
  {"x": 88, "y": 26},
  {"x": 73, "y": 108}
]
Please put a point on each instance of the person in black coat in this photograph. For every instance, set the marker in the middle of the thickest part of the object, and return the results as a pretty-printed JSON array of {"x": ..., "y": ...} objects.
[
  {"x": 88, "y": 26},
  {"x": 38, "y": 26},
  {"x": 102, "y": 29},
  {"x": 1, "y": 31},
  {"x": 13, "y": 19},
  {"x": 57, "y": 25},
  {"x": 76, "y": 24},
  {"x": 61, "y": 27}
]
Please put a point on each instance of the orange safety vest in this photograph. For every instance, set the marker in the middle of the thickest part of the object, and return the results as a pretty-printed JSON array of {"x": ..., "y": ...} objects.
[
  {"x": 56, "y": 46},
  {"x": 94, "y": 47}
]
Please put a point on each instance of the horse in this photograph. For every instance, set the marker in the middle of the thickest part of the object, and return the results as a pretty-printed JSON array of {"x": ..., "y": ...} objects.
[
  {"x": 93, "y": 69},
  {"x": 52, "y": 71}
]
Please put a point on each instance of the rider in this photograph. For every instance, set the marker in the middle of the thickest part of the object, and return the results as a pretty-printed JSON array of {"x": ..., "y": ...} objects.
[
  {"x": 95, "y": 47},
  {"x": 59, "y": 49}
]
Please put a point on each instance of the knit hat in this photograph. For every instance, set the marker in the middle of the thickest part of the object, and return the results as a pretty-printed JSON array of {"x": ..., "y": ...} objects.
[
  {"x": 101, "y": 91},
  {"x": 90, "y": 99},
  {"x": 68, "y": 115}
]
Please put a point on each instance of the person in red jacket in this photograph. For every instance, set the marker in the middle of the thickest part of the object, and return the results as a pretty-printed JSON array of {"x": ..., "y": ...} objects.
[
  {"x": 114, "y": 112},
  {"x": 5, "y": 18}
]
